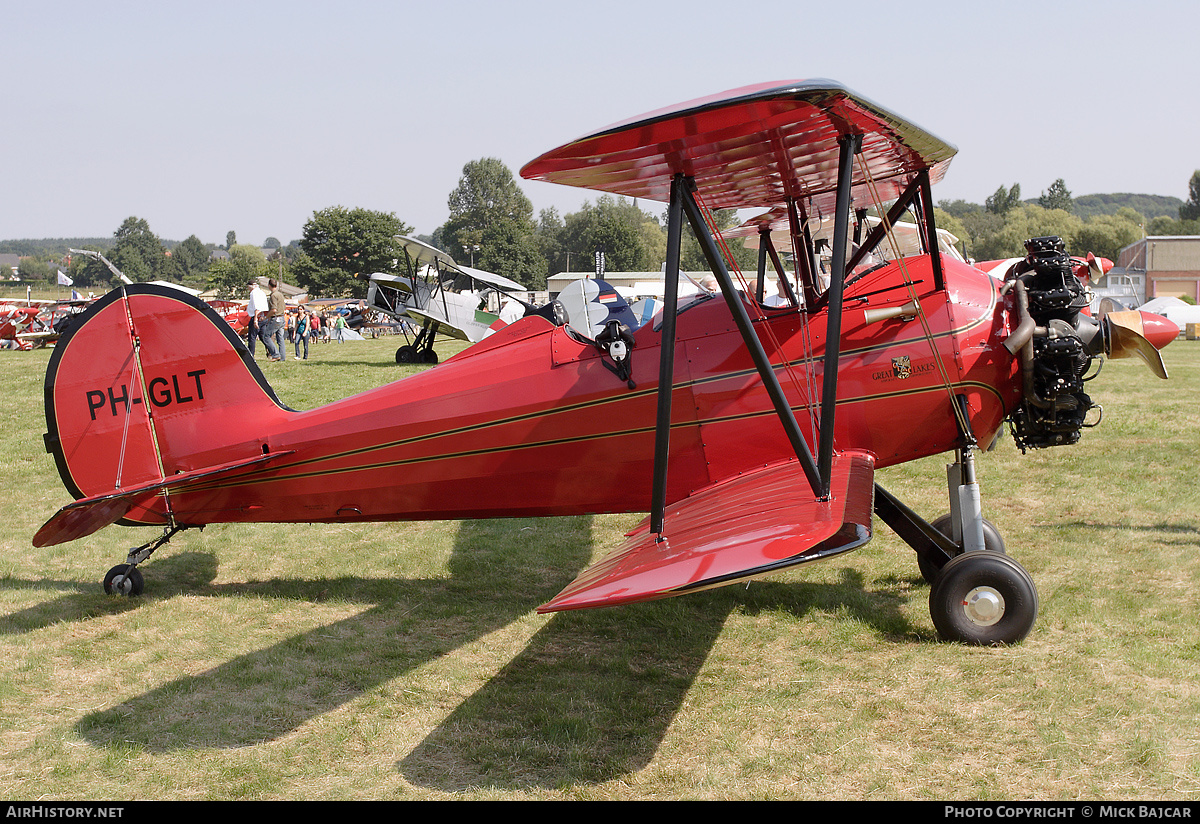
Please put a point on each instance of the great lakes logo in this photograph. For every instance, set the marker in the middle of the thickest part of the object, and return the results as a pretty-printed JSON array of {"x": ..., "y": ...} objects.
[{"x": 902, "y": 369}]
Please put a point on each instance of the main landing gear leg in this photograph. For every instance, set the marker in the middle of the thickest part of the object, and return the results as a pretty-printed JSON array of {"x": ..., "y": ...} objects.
[
  {"x": 421, "y": 349},
  {"x": 126, "y": 579},
  {"x": 978, "y": 595}
]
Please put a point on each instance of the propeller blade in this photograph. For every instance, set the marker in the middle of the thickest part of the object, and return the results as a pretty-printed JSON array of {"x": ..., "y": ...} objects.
[
  {"x": 1109, "y": 305},
  {"x": 1138, "y": 334}
]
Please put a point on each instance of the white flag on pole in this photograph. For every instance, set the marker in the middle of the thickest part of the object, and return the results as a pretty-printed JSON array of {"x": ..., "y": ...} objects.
[{"x": 63, "y": 280}]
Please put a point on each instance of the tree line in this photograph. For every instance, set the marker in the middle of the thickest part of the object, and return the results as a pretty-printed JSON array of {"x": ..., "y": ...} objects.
[
  {"x": 492, "y": 226},
  {"x": 997, "y": 228}
]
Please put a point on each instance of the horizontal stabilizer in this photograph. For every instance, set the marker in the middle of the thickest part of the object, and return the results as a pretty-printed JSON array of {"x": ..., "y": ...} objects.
[
  {"x": 87, "y": 515},
  {"x": 756, "y": 524}
]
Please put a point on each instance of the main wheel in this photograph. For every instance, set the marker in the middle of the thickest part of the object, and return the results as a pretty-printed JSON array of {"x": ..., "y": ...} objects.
[
  {"x": 130, "y": 583},
  {"x": 406, "y": 354},
  {"x": 428, "y": 356},
  {"x": 983, "y": 598},
  {"x": 992, "y": 540}
]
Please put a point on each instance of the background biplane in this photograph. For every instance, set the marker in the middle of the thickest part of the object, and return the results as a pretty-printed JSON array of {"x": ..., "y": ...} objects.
[
  {"x": 750, "y": 434},
  {"x": 444, "y": 297},
  {"x": 18, "y": 321},
  {"x": 37, "y": 322}
]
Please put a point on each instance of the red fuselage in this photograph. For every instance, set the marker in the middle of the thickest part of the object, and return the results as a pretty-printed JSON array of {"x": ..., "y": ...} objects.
[{"x": 531, "y": 421}]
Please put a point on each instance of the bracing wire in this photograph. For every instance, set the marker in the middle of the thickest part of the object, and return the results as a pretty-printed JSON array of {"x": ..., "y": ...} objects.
[
  {"x": 808, "y": 397},
  {"x": 910, "y": 286}
]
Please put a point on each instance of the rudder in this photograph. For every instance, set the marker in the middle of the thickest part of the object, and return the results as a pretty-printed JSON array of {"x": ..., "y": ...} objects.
[{"x": 149, "y": 383}]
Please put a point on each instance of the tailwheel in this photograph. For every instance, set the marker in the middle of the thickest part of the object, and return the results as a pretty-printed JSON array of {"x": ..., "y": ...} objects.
[
  {"x": 983, "y": 598},
  {"x": 124, "y": 579}
]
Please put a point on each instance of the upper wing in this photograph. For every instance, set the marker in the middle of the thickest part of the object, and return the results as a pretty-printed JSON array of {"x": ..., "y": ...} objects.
[
  {"x": 752, "y": 147},
  {"x": 741, "y": 528},
  {"x": 422, "y": 253},
  {"x": 492, "y": 278}
]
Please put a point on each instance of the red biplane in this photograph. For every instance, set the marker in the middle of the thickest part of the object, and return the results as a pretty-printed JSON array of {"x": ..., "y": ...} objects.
[
  {"x": 750, "y": 435},
  {"x": 34, "y": 323},
  {"x": 18, "y": 321}
]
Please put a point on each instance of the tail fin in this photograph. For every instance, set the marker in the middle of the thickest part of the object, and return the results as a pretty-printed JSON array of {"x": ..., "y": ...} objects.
[{"x": 152, "y": 383}]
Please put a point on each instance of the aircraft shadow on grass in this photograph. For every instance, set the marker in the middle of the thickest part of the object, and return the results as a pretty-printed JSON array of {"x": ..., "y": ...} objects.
[{"x": 612, "y": 725}]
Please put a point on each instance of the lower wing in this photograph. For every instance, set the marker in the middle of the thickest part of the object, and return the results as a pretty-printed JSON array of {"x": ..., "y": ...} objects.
[{"x": 755, "y": 524}]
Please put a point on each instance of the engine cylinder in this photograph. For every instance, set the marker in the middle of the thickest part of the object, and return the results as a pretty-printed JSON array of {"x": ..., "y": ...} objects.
[{"x": 1054, "y": 408}]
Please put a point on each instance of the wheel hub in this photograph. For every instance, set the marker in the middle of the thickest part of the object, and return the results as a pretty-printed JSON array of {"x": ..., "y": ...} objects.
[{"x": 984, "y": 606}]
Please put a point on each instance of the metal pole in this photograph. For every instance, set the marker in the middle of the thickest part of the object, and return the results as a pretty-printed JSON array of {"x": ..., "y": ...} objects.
[
  {"x": 848, "y": 146},
  {"x": 666, "y": 364},
  {"x": 931, "y": 237},
  {"x": 764, "y": 239}
]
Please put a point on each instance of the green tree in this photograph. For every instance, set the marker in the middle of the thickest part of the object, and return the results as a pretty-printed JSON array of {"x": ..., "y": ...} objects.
[
  {"x": 551, "y": 241},
  {"x": 86, "y": 270},
  {"x": 654, "y": 238},
  {"x": 228, "y": 278},
  {"x": 507, "y": 248},
  {"x": 691, "y": 259},
  {"x": 1106, "y": 235},
  {"x": 31, "y": 268},
  {"x": 1020, "y": 224},
  {"x": 1191, "y": 209},
  {"x": 953, "y": 225},
  {"x": 1057, "y": 197},
  {"x": 613, "y": 226},
  {"x": 138, "y": 252},
  {"x": 1004, "y": 200},
  {"x": 1162, "y": 225},
  {"x": 343, "y": 247},
  {"x": 192, "y": 257},
  {"x": 958, "y": 208},
  {"x": 488, "y": 207}
]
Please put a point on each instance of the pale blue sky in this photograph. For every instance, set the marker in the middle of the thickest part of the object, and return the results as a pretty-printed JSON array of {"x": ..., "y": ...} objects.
[{"x": 207, "y": 117}]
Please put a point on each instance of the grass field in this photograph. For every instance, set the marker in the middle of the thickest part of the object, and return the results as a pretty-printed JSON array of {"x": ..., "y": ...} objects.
[{"x": 408, "y": 662}]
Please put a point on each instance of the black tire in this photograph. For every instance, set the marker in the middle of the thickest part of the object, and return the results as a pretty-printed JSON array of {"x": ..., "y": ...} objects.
[
  {"x": 429, "y": 356},
  {"x": 983, "y": 598},
  {"x": 993, "y": 541},
  {"x": 406, "y": 354},
  {"x": 131, "y": 585}
]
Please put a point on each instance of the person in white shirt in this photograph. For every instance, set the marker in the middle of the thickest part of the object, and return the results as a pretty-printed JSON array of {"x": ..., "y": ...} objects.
[
  {"x": 780, "y": 298},
  {"x": 257, "y": 310}
]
